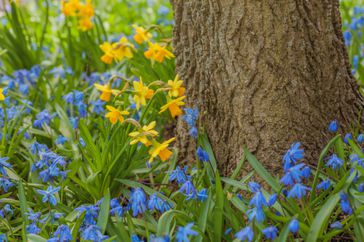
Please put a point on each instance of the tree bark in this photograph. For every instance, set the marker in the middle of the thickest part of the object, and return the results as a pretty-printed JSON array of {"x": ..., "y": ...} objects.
[{"x": 264, "y": 73}]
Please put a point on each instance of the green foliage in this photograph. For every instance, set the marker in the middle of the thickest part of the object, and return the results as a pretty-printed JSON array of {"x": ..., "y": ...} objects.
[{"x": 58, "y": 134}]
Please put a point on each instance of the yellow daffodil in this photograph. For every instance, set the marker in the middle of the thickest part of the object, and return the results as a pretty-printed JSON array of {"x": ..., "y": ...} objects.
[
  {"x": 142, "y": 93},
  {"x": 108, "y": 56},
  {"x": 85, "y": 23},
  {"x": 141, "y": 34},
  {"x": 115, "y": 115},
  {"x": 174, "y": 106},
  {"x": 158, "y": 53},
  {"x": 106, "y": 91},
  {"x": 176, "y": 89},
  {"x": 122, "y": 49},
  {"x": 2, "y": 96},
  {"x": 70, "y": 7},
  {"x": 86, "y": 10},
  {"x": 116, "y": 51},
  {"x": 161, "y": 150},
  {"x": 143, "y": 133}
]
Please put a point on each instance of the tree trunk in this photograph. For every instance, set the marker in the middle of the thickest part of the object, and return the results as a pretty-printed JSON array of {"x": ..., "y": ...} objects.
[{"x": 264, "y": 73}]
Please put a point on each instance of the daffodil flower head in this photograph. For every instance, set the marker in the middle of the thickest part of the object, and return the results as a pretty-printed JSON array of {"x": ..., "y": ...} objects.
[
  {"x": 176, "y": 88},
  {"x": 141, "y": 34},
  {"x": 115, "y": 115},
  {"x": 161, "y": 150},
  {"x": 173, "y": 106},
  {"x": 108, "y": 56},
  {"x": 143, "y": 133},
  {"x": 142, "y": 93},
  {"x": 86, "y": 10},
  {"x": 122, "y": 49},
  {"x": 70, "y": 8},
  {"x": 2, "y": 96},
  {"x": 158, "y": 53},
  {"x": 85, "y": 23},
  {"x": 106, "y": 91}
]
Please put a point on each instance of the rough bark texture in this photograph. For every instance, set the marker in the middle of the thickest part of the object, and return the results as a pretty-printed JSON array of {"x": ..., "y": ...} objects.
[{"x": 264, "y": 73}]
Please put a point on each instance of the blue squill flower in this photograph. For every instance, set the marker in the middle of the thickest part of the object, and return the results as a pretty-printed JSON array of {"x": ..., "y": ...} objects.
[
  {"x": 193, "y": 132},
  {"x": 82, "y": 142},
  {"x": 324, "y": 185},
  {"x": 202, "y": 195},
  {"x": 292, "y": 175},
  {"x": 98, "y": 106},
  {"x": 294, "y": 154},
  {"x": 202, "y": 155},
  {"x": 32, "y": 229},
  {"x": 294, "y": 226},
  {"x": 258, "y": 200},
  {"x": 228, "y": 231},
  {"x": 4, "y": 164},
  {"x": 347, "y": 38},
  {"x": 270, "y": 232},
  {"x": 164, "y": 238},
  {"x": 48, "y": 195},
  {"x": 93, "y": 233},
  {"x": 183, "y": 233},
  {"x": 63, "y": 233},
  {"x": 256, "y": 213},
  {"x": 3, "y": 237},
  {"x": 334, "y": 162},
  {"x": 74, "y": 122},
  {"x": 272, "y": 199},
  {"x": 298, "y": 191},
  {"x": 361, "y": 187},
  {"x": 188, "y": 189},
  {"x": 254, "y": 187},
  {"x": 119, "y": 211},
  {"x": 360, "y": 138},
  {"x": 178, "y": 175},
  {"x": 138, "y": 201},
  {"x": 116, "y": 208},
  {"x": 61, "y": 140},
  {"x": 306, "y": 172},
  {"x": 43, "y": 118},
  {"x": 190, "y": 116},
  {"x": 5, "y": 184},
  {"x": 245, "y": 234},
  {"x": 355, "y": 62},
  {"x": 91, "y": 213},
  {"x": 82, "y": 110},
  {"x": 345, "y": 204},
  {"x": 135, "y": 238},
  {"x": 34, "y": 217},
  {"x": 157, "y": 203},
  {"x": 347, "y": 138},
  {"x": 336, "y": 225},
  {"x": 334, "y": 126},
  {"x": 36, "y": 147}
]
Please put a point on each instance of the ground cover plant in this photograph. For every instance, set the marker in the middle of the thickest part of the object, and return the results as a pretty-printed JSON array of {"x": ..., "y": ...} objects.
[{"x": 89, "y": 94}]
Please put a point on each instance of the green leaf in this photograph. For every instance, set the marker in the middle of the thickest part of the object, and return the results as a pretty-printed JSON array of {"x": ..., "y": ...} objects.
[
  {"x": 77, "y": 225},
  {"x": 320, "y": 164},
  {"x": 321, "y": 219},
  {"x": 218, "y": 209},
  {"x": 166, "y": 220},
  {"x": 35, "y": 238},
  {"x": 23, "y": 208},
  {"x": 284, "y": 233},
  {"x": 202, "y": 220},
  {"x": 104, "y": 212},
  {"x": 263, "y": 173}
]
